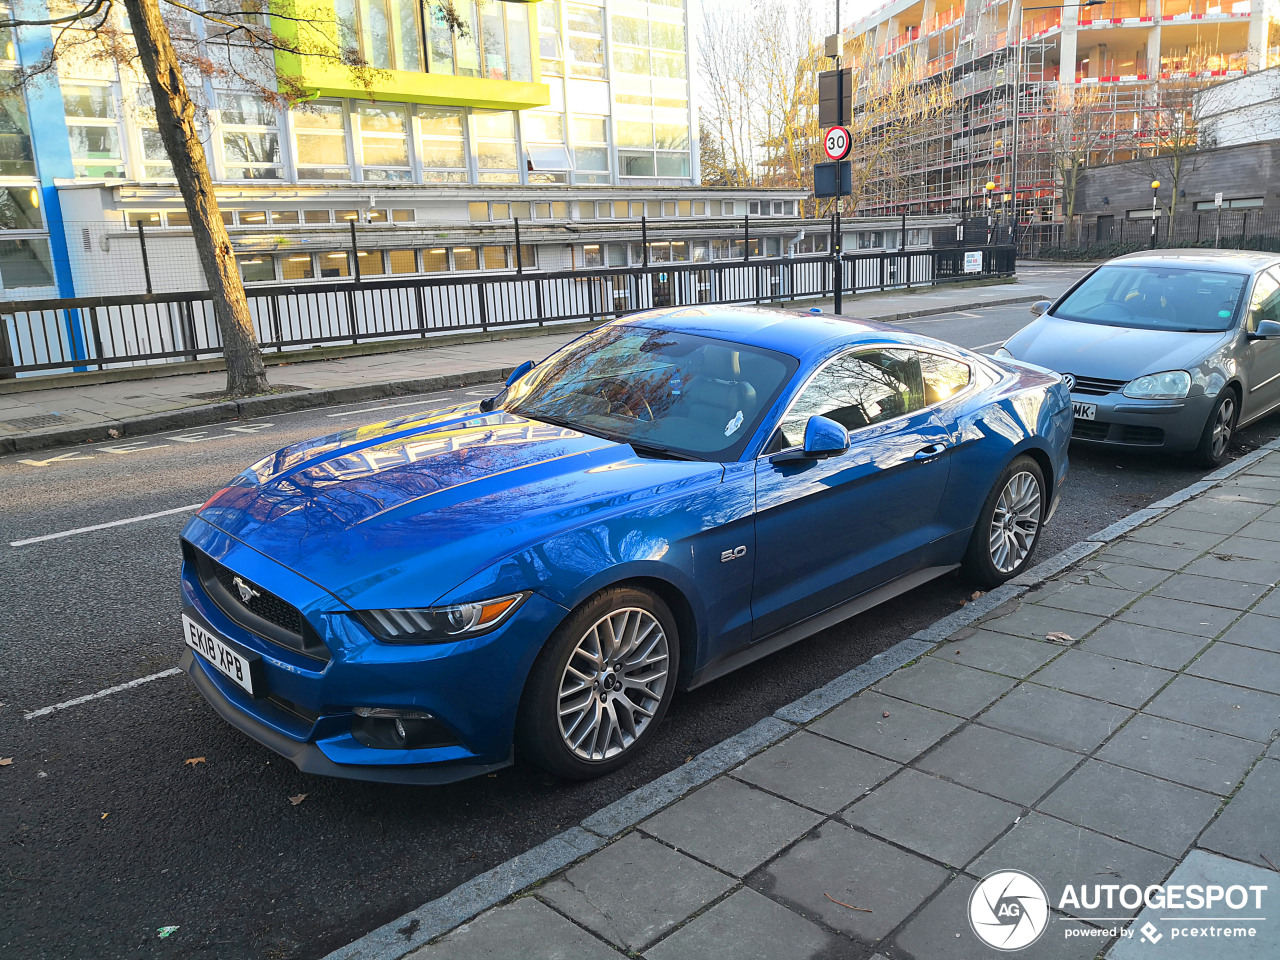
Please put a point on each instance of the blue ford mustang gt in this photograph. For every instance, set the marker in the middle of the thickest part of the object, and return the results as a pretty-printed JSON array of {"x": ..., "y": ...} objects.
[{"x": 659, "y": 502}]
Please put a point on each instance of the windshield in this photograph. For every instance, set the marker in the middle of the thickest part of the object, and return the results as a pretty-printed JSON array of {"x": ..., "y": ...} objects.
[
  {"x": 1171, "y": 298},
  {"x": 672, "y": 394}
]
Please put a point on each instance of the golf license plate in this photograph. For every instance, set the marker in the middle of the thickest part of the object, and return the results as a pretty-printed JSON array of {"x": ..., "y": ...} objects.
[
  {"x": 1084, "y": 411},
  {"x": 237, "y": 667}
]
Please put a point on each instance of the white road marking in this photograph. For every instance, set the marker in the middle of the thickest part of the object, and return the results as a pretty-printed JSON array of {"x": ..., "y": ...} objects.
[
  {"x": 43, "y": 711},
  {"x": 103, "y": 526},
  {"x": 135, "y": 446},
  {"x": 389, "y": 406},
  {"x": 983, "y": 346},
  {"x": 45, "y": 463}
]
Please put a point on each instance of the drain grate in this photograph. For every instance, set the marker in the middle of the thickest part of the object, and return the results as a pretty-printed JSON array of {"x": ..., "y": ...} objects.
[{"x": 40, "y": 420}]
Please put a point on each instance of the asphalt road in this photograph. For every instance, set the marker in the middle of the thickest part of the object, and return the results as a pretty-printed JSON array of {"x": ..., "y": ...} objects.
[{"x": 141, "y": 809}]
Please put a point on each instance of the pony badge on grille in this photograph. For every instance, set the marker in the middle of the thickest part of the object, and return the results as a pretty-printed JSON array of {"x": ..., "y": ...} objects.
[{"x": 247, "y": 592}]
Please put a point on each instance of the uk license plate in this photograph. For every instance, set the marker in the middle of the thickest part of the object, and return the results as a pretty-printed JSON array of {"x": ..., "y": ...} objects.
[
  {"x": 218, "y": 654},
  {"x": 1084, "y": 411}
]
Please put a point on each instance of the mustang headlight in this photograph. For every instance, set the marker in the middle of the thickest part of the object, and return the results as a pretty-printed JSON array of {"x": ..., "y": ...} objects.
[
  {"x": 440, "y": 624},
  {"x": 1002, "y": 354},
  {"x": 1170, "y": 385}
]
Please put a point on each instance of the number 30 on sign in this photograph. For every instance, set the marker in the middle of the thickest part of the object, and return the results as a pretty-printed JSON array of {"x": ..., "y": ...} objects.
[{"x": 837, "y": 143}]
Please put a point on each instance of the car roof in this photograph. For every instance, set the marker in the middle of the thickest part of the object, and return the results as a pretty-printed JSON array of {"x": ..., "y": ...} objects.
[
  {"x": 1244, "y": 261},
  {"x": 784, "y": 331}
]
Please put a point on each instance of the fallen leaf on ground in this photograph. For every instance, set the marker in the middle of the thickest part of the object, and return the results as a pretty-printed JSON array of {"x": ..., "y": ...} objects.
[
  {"x": 298, "y": 799},
  {"x": 849, "y": 905},
  {"x": 1059, "y": 637},
  {"x": 5, "y": 761},
  {"x": 976, "y": 594},
  {"x": 104, "y": 816},
  {"x": 192, "y": 761},
  {"x": 165, "y": 931},
  {"x": 886, "y": 713},
  {"x": 113, "y": 434}
]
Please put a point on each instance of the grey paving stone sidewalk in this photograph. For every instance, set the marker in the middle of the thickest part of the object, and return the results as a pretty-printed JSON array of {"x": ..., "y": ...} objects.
[{"x": 1140, "y": 748}]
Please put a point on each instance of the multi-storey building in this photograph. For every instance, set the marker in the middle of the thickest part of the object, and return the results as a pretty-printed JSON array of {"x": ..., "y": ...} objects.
[
  {"x": 991, "y": 54},
  {"x": 575, "y": 118}
]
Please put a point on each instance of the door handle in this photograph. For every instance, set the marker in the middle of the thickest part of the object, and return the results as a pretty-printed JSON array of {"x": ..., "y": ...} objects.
[{"x": 931, "y": 451}]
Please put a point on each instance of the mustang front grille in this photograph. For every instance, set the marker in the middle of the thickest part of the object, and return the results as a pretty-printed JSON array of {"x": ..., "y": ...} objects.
[{"x": 255, "y": 608}]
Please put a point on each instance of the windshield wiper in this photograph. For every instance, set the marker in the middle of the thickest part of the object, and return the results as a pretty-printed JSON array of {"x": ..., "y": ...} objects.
[{"x": 655, "y": 452}]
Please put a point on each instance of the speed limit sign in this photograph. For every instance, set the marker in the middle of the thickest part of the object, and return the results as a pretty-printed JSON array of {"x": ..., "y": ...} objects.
[{"x": 837, "y": 143}]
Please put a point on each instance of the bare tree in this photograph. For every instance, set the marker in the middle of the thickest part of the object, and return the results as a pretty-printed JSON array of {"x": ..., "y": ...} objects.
[
  {"x": 1078, "y": 133},
  {"x": 1171, "y": 132},
  {"x": 169, "y": 41},
  {"x": 895, "y": 109}
]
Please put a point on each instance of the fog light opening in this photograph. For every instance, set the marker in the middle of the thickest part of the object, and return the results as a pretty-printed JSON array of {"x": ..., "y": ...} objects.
[{"x": 386, "y": 728}]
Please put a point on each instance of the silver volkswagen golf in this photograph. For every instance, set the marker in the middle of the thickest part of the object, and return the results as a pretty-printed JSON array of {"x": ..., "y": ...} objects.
[{"x": 1168, "y": 350}]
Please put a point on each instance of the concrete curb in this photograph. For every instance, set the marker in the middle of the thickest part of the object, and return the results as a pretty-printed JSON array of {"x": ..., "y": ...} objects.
[
  {"x": 455, "y": 908},
  {"x": 202, "y": 415},
  {"x": 210, "y": 413}
]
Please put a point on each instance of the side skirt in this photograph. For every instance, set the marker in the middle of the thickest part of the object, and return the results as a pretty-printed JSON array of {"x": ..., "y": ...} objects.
[{"x": 818, "y": 622}]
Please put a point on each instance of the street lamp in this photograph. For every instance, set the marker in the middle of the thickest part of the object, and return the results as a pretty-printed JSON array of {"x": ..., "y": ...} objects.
[
  {"x": 1155, "y": 186},
  {"x": 1017, "y": 84}
]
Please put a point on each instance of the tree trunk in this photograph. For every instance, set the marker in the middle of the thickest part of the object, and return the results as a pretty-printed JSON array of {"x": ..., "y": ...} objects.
[{"x": 175, "y": 116}]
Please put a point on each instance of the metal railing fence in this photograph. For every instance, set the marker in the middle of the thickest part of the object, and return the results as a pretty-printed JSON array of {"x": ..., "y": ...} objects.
[{"x": 98, "y": 333}]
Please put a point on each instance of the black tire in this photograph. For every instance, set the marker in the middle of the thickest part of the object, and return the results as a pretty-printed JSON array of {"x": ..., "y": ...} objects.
[
  {"x": 1215, "y": 440},
  {"x": 979, "y": 566},
  {"x": 540, "y": 736}
]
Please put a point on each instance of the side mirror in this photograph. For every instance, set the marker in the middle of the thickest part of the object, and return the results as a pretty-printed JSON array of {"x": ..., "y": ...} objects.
[
  {"x": 519, "y": 372},
  {"x": 1039, "y": 307},
  {"x": 1266, "y": 330},
  {"x": 487, "y": 404},
  {"x": 823, "y": 438}
]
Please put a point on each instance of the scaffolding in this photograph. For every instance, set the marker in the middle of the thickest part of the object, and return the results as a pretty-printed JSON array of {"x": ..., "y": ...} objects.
[{"x": 976, "y": 49}]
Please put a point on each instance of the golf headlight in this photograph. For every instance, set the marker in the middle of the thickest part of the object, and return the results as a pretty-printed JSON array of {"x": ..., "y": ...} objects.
[
  {"x": 1170, "y": 385},
  {"x": 1002, "y": 354},
  {"x": 440, "y": 624}
]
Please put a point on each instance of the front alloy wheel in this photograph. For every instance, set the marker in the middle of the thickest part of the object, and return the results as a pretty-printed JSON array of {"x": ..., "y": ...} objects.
[
  {"x": 601, "y": 684},
  {"x": 1215, "y": 441},
  {"x": 613, "y": 683}
]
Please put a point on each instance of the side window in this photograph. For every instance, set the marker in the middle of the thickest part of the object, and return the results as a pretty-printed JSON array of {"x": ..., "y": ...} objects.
[
  {"x": 943, "y": 377},
  {"x": 856, "y": 390},
  {"x": 1265, "y": 302}
]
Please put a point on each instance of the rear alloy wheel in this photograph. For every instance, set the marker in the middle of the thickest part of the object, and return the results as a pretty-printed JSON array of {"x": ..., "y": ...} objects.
[
  {"x": 1218, "y": 430},
  {"x": 1008, "y": 527},
  {"x": 601, "y": 685}
]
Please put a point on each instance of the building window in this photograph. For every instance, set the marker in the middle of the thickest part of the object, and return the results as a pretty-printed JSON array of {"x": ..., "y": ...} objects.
[
  {"x": 489, "y": 40},
  {"x": 320, "y": 138},
  {"x": 155, "y": 159},
  {"x": 464, "y": 258},
  {"x": 16, "y": 156},
  {"x": 389, "y": 35},
  {"x": 586, "y": 41},
  {"x": 402, "y": 261},
  {"x": 591, "y": 148},
  {"x": 250, "y": 138},
  {"x": 549, "y": 48},
  {"x": 478, "y": 211},
  {"x": 435, "y": 260},
  {"x": 370, "y": 263},
  {"x": 316, "y": 216},
  {"x": 495, "y": 258},
  {"x": 26, "y": 263},
  {"x": 20, "y": 208},
  {"x": 296, "y": 267},
  {"x": 384, "y": 142},
  {"x": 547, "y": 157},
  {"x": 495, "y": 145},
  {"x": 256, "y": 268},
  {"x": 444, "y": 145},
  {"x": 93, "y": 127},
  {"x": 334, "y": 264}
]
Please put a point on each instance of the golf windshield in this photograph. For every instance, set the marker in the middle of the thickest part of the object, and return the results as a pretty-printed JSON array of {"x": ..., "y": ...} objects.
[
  {"x": 1179, "y": 299},
  {"x": 667, "y": 393}
]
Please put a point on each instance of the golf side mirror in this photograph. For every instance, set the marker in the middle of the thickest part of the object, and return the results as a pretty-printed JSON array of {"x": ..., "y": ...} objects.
[
  {"x": 1040, "y": 306},
  {"x": 1266, "y": 330}
]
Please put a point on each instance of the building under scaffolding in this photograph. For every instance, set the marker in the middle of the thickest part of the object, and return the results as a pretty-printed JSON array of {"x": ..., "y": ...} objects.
[{"x": 1125, "y": 55}]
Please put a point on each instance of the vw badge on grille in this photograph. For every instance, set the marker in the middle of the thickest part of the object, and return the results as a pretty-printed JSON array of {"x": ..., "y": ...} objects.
[
  {"x": 247, "y": 592},
  {"x": 1070, "y": 380}
]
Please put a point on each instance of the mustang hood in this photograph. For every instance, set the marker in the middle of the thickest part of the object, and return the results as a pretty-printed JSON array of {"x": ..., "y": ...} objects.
[
  {"x": 400, "y": 513},
  {"x": 1109, "y": 353}
]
